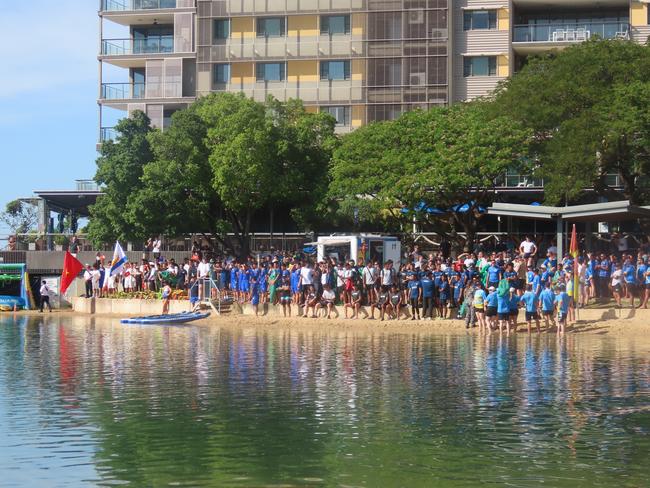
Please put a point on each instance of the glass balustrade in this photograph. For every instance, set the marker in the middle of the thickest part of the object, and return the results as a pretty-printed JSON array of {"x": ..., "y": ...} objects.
[
  {"x": 570, "y": 31},
  {"x": 128, "y": 5},
  {"x": 149, "y": 45}
]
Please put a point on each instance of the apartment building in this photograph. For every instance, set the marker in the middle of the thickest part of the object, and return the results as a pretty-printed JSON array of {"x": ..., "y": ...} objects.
[{"x": 360, "y": 60}]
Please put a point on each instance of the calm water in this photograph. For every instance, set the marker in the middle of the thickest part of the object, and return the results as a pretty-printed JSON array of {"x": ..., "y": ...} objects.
[{"x": 91, "y": 402}]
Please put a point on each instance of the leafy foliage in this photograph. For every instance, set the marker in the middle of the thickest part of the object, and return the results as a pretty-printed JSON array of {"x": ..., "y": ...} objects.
[
  {"x": 587, "y": 106},
  {"x": 20, "y": 217},
  {"x": 439, "y": 158}
]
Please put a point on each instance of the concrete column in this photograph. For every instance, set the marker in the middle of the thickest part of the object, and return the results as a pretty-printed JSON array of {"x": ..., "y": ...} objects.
[{"x": 560, "y": 238}]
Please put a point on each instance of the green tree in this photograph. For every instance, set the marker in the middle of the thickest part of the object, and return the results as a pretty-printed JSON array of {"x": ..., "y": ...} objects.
[
  {"x": 119, "y": 169},
  {"x": 226, "y": 158},
  {"x": 21, "y": 217},
  {"x": 437, "y": 159},
  {"x": 587, "y": 106}
]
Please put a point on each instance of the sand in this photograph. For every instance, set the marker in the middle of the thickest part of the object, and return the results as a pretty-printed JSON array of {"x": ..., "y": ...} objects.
[{"x": 623, "y": 324}]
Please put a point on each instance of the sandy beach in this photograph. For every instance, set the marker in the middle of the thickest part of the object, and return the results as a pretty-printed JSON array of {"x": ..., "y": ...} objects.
[{"x": 624, "y": 324}]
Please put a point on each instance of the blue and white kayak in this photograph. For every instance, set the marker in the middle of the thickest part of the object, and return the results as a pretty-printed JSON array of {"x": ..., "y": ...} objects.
[{"x": 174, "y": 318}]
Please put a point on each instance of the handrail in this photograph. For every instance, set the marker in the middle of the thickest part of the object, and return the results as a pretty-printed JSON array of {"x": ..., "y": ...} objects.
[
  {"x": 128, "y": 46},
  {"x": 128, "y": 5},
  {"x": 580, "y": 31},
  {"x": 209, "y": 293}
]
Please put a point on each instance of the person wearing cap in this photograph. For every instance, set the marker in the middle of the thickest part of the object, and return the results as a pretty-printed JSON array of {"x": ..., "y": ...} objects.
[
  {"x": 562, "y": 302},
  {"x": 491, "y": 308},
  {"x": 515, "y": 302}
]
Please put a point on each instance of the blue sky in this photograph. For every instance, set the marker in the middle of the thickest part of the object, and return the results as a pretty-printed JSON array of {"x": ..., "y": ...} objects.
[{"x": 48, "y": 95}]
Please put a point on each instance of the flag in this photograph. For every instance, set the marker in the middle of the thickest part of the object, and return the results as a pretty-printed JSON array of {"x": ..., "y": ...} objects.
[
  {"x": 119, "y": 259},
  {"x": 573, "y": 249},
  {"x": 71, "y": 269}
]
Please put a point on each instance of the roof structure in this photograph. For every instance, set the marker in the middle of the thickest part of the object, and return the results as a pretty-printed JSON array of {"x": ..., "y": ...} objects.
[{"x": 596, "y": 212}]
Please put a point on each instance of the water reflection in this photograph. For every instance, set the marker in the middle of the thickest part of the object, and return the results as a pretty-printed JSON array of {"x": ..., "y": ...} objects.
[{"x": 88, "y": 401}]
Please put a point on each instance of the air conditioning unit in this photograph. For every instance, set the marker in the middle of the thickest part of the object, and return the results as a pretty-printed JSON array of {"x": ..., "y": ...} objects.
[
  {"x": 416, "y": 17},
  {"x": 418, "y": 79}
]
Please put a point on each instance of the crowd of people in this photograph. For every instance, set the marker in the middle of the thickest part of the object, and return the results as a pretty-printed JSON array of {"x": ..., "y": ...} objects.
[{"x": 487, "y": 290}]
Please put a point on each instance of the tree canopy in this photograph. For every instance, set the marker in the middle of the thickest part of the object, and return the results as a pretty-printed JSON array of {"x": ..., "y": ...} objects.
[
  {"x": 426, "y": 164},
  {"x": 587, "y": 106},
  {"x": 19, "y": 216},
  {"x": 221, "y": 160}
]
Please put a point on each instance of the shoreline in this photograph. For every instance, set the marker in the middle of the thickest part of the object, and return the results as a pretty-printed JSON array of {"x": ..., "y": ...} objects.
[{"x": 635, "y": 328}]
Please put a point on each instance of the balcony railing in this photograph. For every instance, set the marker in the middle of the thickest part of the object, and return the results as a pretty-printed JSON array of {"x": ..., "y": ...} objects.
[
  {"x": 127, "y": 47},
  {"x": 107, "y": 134},
  {"x": 122, "y": 91},
  {"x": 129, "y": 5},
  {"x": 570, "y": 31},
  {"x": 87, "y": 185}
]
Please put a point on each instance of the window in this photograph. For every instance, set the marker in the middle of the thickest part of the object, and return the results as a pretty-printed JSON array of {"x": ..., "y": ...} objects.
[
  {"x": 341, "y": 114},
  {"x": 335, "y": 70},
  {"x": 221, "y": 29},
  {"x": 271, "y": 27},
  {"x": 331, "y": 25},
  {"x": 480, "y": 66},
  {"x": 479, "y": 19},
  {"x": 221, "y": 74},
  {"x": 271, "y": 71}
]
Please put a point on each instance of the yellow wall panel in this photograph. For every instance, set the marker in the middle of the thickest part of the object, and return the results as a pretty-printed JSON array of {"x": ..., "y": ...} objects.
[
  {"x": 638, "y": 13},
  {"x": 358, "y": 24},
  {"x": 312, "y": 109},
  {"x": 243, "y": 73},
  {"x": 302, "y": 71},
  {"x": 358, "y": 115},
  {"x": 503, "y": 19},
  {"x": 303, "y": 26},
  {"x": 503, "y": 66},
  {"x": 242, "y": 27},
  {"x": 358, "y": 69}
]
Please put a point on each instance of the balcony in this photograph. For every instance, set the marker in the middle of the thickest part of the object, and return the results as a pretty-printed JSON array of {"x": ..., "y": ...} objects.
[
  {"x": 130, "y": 47},
  {"x": 132, "y": 5},
  {"x": 534, "y": 38},
  {"x": 107, "y": 134},
  {"x": 122, "y": 91}
]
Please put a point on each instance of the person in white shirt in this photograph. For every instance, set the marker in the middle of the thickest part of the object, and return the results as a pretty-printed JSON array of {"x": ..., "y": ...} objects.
[
  {"x": 156, "y": 248},
  {"x": 88, "y": 280},
  {"x": 45, "y": 296},
  {"x": 203, "y": 270},
  {"x": 95, "y": 280},
  {"x": 327, "y": 300},
  {"x": 387, "y": 275},
  {"x": 306, "y": 277},
  {"x": 528, "y": 249}
]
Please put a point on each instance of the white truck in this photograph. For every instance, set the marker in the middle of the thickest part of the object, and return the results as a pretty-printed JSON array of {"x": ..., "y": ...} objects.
[{"x": 364, "y": 247}]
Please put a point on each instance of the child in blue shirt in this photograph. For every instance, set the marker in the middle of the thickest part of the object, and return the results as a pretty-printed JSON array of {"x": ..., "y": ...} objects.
[
  {"x": 562, "y": 301},
  {"x": 530, "y": 300},
  {"x": 547, "y": 301},
  {"x": 415, "y": 294}
]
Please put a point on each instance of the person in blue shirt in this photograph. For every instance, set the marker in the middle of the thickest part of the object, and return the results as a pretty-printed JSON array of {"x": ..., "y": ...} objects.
[
  {"x": 602, "y": 277},
  {"x": 646, "y": 283},
  {"x": 545, "y": 277},
  {"x": 531, "y": 302},
  {"x": 547, "y": 302},
  {"x": 491, "y": 308},
  {"x": 427, "y": 296},
  {"x": 536, "y": 283},
  {"x": 515, "y": 299},
  {"x": 562, "y": 301},
  {"x": 510, "y": 275},
  {"x": 295, "y": 283},
  {"x": 443, "y": 296},
  {"x": 415, "y": 295},
  {"x": 494, "y": 275},
  {"x": 254, "y": 291},
  {"x": 503, "y": 309},
  {"x": 629, "y": 277}
]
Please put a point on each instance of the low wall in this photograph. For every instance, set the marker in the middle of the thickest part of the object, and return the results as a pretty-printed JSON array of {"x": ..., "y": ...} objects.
[
  {"x": 110, "y": 306},
  {"x": 126, "y": 307}
]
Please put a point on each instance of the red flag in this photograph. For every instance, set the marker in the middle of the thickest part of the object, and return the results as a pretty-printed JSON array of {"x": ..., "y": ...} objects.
[{"x": 71, "y": 269}]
